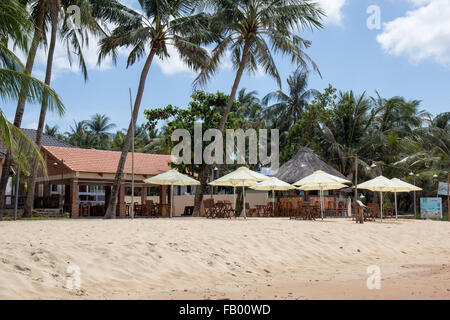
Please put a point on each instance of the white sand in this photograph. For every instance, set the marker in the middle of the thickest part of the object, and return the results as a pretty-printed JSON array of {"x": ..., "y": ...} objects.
[{"x": 195, "y": 258}]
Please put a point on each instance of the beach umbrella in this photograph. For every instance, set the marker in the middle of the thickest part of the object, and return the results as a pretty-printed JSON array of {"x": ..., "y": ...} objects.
[
  {"x": 241, "y": 177},
  {"x": 379, "y": 184},
  {"x": 321, "y": 188},
  {"x": 402, "y": 186},
  {"x": 272, "y": 184},
  {"x": 320, "y": 177},
  {"x": 172, "y": 178},
  {"x": 321, "y": 181}
]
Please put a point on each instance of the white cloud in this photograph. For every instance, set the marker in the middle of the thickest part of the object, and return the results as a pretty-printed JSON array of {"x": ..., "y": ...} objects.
[
  {"x": 422, "y": 34},
  {"x": 173, "y": 64},
  {"x": 333, "y": 10}
]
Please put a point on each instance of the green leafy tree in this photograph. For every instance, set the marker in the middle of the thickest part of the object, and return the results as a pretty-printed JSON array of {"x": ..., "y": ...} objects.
[
  {"x": 16, "y": 81},
  {"x": 289, "y": 107},
  {"x": 99, "y": 125},
  {"x": 206, "y": 108},
  {"x": 159, "y": 24}
]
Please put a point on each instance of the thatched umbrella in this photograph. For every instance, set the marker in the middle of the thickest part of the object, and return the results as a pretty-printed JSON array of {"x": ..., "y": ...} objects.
[{"x": 303, "y": 164}]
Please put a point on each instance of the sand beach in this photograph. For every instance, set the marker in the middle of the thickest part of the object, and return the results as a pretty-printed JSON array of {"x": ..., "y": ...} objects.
[{"x": 197, "y": 258}]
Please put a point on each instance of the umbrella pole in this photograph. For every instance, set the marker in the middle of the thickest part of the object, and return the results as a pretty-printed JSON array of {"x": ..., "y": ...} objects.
[
  {"x": 381, "y": 205},
  {"x": 243, "y": 194},
  {"x": 234, "y": 197},
  {"x": 171, "y": 200},
  {"x": 273, "y": 202},
  {"x": 321, "y": 202},
  {"x": 395, "y": 196}
]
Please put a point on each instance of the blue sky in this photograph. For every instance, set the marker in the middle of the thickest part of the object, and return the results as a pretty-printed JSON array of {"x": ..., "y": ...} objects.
[{"x": 408, "y": 56}]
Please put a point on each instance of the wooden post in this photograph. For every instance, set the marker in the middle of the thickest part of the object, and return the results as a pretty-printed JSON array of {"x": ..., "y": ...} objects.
[
  {"x": 143, "y": 195},
  {"x": 121, "y": 206},
  {"x": 448, "y": 195},
  {"x": 357, "y": 216},
  {"x": 74, "y": 209}
]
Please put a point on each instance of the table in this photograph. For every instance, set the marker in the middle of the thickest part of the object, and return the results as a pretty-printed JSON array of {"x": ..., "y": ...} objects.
[{"x": 188, "y": 210}]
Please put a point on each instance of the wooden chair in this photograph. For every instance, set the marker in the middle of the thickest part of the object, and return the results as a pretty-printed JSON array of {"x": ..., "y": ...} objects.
[
  {"x": 85, "y": 209},
  {"x": 150, "y": 208},
  {"x": 374, "y": 209},
  {"x": 229, "y": 211},
  {"x": 307, "y": 211},
  {"x": 389, "y": 211},
  {"x": 341, "y": 208},
  {"x": 210, "y": 209},
  {"x": 138, "y": 209},
  {"x": 250, "y": 212},
  {"x": 269, "y": 209},
  {"x": 277, "y": 211},
  {"x": 331, "y": 209}
]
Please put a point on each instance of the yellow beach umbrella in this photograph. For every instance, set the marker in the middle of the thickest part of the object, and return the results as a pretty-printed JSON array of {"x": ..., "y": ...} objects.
[
  {"x": 172, "y": 178},
  {"x": 401, "y": 186},
  {"x": 242, "y": 176},
  {"x": 320, "y": 180},
  {"x": 272, "y": 184},
  {"x": 379, "y": 184},
  {"x": 320, "y": 177},
  {"x": 321, "y": 188}
]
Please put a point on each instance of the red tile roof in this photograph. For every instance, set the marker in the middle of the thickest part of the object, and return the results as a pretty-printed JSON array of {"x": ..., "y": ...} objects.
[{"x": 101, "y": 161}]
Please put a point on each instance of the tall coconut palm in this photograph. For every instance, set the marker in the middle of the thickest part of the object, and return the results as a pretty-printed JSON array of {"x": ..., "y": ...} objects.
[
  {"x": 15, "y": 25},
  {"x": 289, "y": 107},
  {"x": 74, "y": 37},
  {"x": 254, "y": 30},
  {"x": 79, "y": 136},
  {"x": 99, "y": 125},
  {"x": 54, "y": 18},
  {"x": 344, "y": 133},
  {"x": 15, "y": 80},
  {"x": 250, "y": 107},
  {"x": 161, "y": 23}
]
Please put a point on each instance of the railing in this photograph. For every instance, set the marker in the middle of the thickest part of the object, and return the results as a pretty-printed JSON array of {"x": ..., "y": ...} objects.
[
  {"x": 10, "y": 201},
  {"x": 47, "y": 202}
]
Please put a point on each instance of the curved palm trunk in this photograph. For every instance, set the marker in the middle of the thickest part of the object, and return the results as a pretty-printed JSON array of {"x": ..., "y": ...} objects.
[
  {"x": 199, "y": 193},
  {"x": 28, "y": 210},
  {"x": 21, "y": 103},
  {"x": 111, "y": 210}
]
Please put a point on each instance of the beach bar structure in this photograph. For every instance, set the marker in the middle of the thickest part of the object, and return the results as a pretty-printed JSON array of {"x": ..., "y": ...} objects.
[
  {"x": 302, "y": 165},
  {"x": 69, "y": 168}
]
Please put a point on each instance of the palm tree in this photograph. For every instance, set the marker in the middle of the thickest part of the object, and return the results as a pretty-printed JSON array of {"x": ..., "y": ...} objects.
[
  {"x": 20, "y": 147},
  {"x": 51, "y": 131},
  {"x": 79, "y": 136},
  {"x": 250, "y": 106},
  {"x": 74, "y": 37},
  {"x": 289, "y": 107},
  {"x": 99, "y": 125},
  {"x": 118, "y": 140},
  {"x": 161, "y": 23},
  {"x": 345, "y": 132},
  {"x": 15, "y": 79},
  {"x": 252, "y": 31}
]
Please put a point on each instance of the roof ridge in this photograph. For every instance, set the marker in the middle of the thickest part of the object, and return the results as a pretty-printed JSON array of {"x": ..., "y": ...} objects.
[{"x": 114, "y": 151}]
